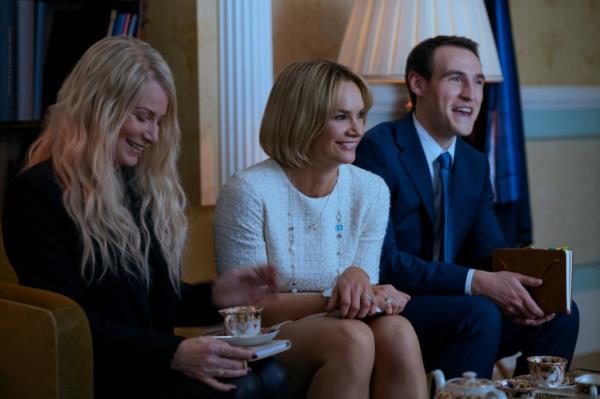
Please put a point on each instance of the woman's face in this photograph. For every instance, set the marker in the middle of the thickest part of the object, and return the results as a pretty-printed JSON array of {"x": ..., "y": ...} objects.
[
  {"x": 337, "y": 143},
  {"x": 141, "y": 129}
]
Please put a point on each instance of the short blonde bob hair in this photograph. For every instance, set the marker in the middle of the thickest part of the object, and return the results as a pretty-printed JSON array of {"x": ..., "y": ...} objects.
[{"x": 302, "y": 100}]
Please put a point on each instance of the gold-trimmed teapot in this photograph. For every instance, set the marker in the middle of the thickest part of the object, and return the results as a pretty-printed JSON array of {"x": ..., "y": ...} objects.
[{"x": 467, "y": 387}]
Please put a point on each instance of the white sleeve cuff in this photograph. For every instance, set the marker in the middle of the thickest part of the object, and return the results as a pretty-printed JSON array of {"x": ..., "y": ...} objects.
[{"x": 468, "y": 281}]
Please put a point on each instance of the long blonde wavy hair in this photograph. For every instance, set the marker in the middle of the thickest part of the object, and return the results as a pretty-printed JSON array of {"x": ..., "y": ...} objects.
[{"x": 80, "y": 139}]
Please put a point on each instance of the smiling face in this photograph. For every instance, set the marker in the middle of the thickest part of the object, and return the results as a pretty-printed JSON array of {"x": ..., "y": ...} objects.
[
  {"x": 448, "y": 104},
  {"x": 337, "y": 143},
  {"x": 141, "y": 129}
]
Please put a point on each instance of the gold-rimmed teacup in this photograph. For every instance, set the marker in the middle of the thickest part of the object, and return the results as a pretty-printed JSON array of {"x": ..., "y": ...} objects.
[
  {"x": 242, "y": 321},
  {"x": 547, "y": 371}
]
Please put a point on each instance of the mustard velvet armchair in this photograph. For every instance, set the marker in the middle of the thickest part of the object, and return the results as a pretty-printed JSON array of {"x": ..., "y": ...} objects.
[{"x": 45, "y": 345}]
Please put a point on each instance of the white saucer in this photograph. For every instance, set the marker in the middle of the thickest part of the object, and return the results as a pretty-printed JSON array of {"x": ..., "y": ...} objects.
[
  {"x": 564, "y": 385},
  {"x": 248, "y": 341},
  {"x": 561, "y": 386}
]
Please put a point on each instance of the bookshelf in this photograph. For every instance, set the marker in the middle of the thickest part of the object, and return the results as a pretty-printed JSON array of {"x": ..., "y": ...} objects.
[{"x": 40, "y": 42}]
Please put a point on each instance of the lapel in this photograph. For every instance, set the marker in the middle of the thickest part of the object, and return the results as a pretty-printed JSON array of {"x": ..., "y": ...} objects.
[{"x": 414, "y": 161}]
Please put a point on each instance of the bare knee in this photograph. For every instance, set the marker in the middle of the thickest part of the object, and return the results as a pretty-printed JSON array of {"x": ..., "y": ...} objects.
[
  {"x": 390, "y": 329},
  {"x": 352, "y": 342},
  {"x": 395, "y": 339}
]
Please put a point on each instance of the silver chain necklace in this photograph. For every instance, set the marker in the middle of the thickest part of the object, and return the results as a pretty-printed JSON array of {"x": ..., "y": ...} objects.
[{"x": 339, "y": 228}]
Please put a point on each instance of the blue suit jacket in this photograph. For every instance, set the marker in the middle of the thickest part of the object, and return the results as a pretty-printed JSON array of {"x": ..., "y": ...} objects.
[{"x": 393, "y": 151}]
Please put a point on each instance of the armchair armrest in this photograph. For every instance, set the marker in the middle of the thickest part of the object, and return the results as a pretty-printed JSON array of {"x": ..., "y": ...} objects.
[{"x": 46, "y": 345}]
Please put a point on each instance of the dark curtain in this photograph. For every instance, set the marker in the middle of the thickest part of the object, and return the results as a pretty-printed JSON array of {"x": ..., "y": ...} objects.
[{"x": 499, "y": 133}]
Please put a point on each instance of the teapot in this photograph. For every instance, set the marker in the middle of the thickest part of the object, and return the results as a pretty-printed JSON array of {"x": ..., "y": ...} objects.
[{"x": 467, "y": 387}]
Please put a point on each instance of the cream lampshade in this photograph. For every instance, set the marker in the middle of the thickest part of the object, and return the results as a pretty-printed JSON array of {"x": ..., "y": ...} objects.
[{"x": 381, "y": 33}]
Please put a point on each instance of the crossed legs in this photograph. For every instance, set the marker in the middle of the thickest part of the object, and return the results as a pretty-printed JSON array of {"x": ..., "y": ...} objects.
[{"x": 343, "y": 358}]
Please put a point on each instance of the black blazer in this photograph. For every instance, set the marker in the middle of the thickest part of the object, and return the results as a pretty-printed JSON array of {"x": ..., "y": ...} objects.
[
  {"x": 132, "y": 327},
  {"x": 393, "y": 151}
]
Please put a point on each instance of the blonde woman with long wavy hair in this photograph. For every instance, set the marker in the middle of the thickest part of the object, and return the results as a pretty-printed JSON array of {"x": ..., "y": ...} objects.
[{"x": 98, "y": 214}]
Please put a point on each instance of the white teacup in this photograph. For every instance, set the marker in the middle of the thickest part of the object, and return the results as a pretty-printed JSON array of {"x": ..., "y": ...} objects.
[
  {"x": 242, "y": 321},
  {"x": 547, "y": 371},
  {"x": 587, "y": 384}
]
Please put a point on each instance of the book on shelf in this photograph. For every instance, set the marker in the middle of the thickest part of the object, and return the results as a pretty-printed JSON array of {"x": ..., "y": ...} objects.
[
  {"x": 38, "y": 57},
  {"x": 25, "y": 59},
  {"x": 111, "y": 23},
  {"x": 553, "y": 266},
  {"x": 118, "y": 24},
  {"x": 133, "y": 26},
  {"x": 7, "y": 59},
  {"x": 125, "y": 28},
  {"x": 269, "y": 348}
]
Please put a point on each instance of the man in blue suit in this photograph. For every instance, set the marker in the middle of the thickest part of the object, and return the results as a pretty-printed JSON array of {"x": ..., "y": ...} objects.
[{"x": 443, "y": 228}]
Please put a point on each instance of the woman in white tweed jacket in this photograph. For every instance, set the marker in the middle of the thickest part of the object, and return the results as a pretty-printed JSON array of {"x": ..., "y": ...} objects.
[{"x": 321, "y": 221}]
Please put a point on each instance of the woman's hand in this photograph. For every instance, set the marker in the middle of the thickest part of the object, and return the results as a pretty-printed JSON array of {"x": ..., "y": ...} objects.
[
  {"x": 244, "y": 286},
  {"x": 352, "y": 294},
  {"x": 206, "y": 359},
  {"x": 389, "y": 299}
]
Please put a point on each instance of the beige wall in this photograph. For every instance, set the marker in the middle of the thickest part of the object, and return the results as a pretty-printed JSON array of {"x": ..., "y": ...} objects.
[
  {"x": 307, "y": 29},
  {"x": 199, "y": 257},
  {"x": 564, "y": 178},
  {"x": 556, "y": 41}
]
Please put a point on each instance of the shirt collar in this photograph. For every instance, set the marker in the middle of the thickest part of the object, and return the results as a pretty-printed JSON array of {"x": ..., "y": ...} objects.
[{"x": 430, "y": 147}]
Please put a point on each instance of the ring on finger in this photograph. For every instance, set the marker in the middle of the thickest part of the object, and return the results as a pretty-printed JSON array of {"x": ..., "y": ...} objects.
[
  {"x": 389, "y": 300},
  {"x": 244, "y": 364},
  {"x": 220, "y": 372},
  {"x": 367, "y": 297}
]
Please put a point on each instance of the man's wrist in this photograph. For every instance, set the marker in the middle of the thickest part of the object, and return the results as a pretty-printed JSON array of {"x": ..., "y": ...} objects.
[{"x": 478, "y": 282}]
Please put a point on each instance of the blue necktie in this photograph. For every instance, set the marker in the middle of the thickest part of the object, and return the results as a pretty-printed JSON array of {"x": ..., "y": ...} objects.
[{"x": 445, "y": 162}]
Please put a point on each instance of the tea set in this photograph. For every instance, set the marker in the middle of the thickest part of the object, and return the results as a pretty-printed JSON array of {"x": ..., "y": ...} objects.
[{"x": 547, "y": 373}]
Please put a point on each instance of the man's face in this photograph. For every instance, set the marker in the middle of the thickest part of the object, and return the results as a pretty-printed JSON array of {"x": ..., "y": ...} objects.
[{"x": 449, "y": 103}]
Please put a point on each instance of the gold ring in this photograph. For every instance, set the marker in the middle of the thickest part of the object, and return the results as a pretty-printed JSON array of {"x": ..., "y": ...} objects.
[{"x": 367, "y": 297}]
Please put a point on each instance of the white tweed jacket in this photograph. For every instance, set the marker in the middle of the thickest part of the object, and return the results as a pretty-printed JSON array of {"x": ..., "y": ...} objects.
[{"x": 258, "y": 206}]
